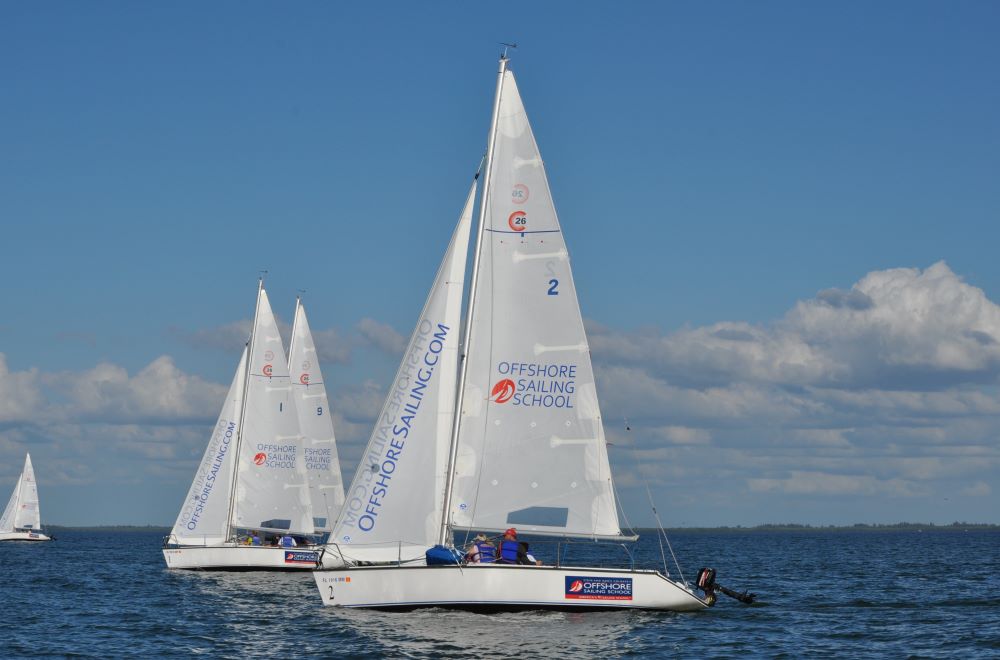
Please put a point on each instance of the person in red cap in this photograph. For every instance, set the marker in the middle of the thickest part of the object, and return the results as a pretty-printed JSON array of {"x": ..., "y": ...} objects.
[{"x": 508, "y": 549}]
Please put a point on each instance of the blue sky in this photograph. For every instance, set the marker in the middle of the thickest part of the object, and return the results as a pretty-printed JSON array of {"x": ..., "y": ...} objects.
[{"x": 740, "y": 184}]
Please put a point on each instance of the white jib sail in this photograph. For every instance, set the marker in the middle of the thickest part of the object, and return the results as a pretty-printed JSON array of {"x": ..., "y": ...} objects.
[
  {"x": 7, "y": 521},
  {"x": 394, "y": 504},
  {"x": 204, "y": 517},
  {"x": 319, "y": 447},
  {"x": 271, "y": 486},
  {"x": 531, "y": 452}
]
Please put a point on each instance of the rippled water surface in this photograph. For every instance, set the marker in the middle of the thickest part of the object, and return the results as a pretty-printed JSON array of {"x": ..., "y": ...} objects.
[{"x": 897, "y": 593}]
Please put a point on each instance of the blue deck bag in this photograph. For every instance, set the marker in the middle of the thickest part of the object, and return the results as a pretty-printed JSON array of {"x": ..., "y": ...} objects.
[{"x": 439, "y": 555}]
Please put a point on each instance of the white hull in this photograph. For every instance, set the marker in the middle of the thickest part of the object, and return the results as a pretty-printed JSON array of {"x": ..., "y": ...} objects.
[
  {"x": 242, "y": 557},
  {"x": 336, "y": 556},
  {"x": 23, "y": 536},
  {"x": 497, "y": 586}
]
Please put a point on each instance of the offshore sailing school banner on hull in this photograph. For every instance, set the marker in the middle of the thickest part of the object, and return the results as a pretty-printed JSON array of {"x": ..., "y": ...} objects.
[
  {"x": 598, "y": 588},
  {"x": 300, "y": 557}
]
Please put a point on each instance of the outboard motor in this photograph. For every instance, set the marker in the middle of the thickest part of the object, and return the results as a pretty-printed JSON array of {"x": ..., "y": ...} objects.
[
  {"x": 706, "y": 579},
  {"x": 706, "y": 582}
]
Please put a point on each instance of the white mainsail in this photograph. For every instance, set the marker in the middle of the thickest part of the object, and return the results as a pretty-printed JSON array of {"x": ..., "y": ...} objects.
[
  {"x": 204, "y": 517},
  {"x": 394, "y": 504},
  {"x": 22, "y": 510},
  {"x": 271, "y": 485},
  {"x": 29, "y": 513},
  {"x": 319, "y": 446},
  {"x": 531, "y": 450}
]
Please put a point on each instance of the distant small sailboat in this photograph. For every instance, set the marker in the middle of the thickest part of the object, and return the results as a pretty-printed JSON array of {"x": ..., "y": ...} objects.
[
  {"x": 252, "y": 485},
  {"x": 509, "y": 435},
  {"x": 22, "y": 519}
]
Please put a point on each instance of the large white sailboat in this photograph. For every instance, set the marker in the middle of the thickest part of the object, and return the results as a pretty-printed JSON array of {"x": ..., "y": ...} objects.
[
  {"x": 515, "y": 440},
  {"x": 251, "y": 489},
  {"x": 22, "y": 518}
]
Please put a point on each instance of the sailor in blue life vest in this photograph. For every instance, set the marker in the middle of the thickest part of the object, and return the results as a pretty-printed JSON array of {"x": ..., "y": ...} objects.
[
  {"x": 287, "y": 542},
  {"x": 481, "y": 551},
  {"x": 510, "y": 549},
  {"x": 254, "y": 539}
]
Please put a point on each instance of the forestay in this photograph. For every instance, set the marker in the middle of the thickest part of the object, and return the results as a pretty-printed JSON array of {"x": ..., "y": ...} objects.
[
  {"x": 394, "y": 504},
  {"x": 271, "y": 488},
  {"x": 319, "y": 447},
  {"x": 204, "y": 517},
  {"x": 531, "y": 449}
]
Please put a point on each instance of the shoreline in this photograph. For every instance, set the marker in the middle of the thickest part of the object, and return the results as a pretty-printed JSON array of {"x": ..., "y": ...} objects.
[{"x": 724, "y": 529}]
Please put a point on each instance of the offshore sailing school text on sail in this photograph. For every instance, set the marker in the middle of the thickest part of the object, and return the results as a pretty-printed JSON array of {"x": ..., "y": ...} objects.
[{"x": 537, "y": 385}]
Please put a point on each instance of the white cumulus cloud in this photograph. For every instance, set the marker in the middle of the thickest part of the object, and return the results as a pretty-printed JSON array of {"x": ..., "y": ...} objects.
[
  {"x": 382, "y": 336},
  {"x": 886, "y": 389}
]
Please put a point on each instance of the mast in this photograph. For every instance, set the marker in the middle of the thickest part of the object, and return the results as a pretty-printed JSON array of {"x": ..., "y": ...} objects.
[
  {"x": 295, "y": 324},
  {"x": 243, "y": 412},
  {"x": 456, "y": 424}
]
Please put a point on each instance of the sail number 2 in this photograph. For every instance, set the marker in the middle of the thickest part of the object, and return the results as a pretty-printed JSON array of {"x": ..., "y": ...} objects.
[{"x": 550, "y": 270}]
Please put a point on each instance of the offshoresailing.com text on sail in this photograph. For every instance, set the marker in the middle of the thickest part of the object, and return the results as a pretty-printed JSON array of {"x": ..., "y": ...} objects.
[{"x": 387, "y": 445}]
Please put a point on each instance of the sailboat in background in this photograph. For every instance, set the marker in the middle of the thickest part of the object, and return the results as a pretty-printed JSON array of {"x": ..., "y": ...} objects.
[
  {"x": 319, "y": 446},
  {"x": 252, "y": 482},
  {"x": 516, "y": 439},
  {"x": 22, "y": 518}
]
